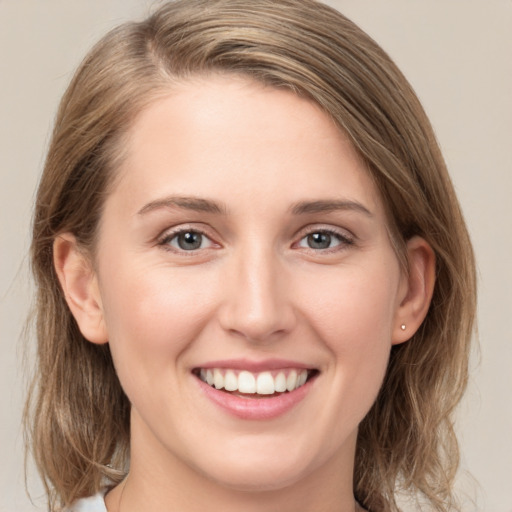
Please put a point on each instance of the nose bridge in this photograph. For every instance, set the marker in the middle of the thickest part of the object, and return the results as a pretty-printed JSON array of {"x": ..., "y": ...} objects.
[{"x": 258, "y": 304}]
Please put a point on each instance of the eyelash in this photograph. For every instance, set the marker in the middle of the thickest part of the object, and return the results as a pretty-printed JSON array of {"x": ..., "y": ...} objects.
[
  {"x": 343, "y": 240},
  {"x": 168, "y": 237}
]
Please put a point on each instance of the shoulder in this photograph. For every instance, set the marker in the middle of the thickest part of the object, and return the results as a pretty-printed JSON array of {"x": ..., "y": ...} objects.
[{"x": 94, "y": 503}]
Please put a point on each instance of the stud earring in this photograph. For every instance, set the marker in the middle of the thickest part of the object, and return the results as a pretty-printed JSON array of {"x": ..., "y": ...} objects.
[{"x": 402, "y": 327}]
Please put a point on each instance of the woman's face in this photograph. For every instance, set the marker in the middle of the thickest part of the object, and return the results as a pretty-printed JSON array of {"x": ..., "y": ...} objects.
[{"x": 245, "y": 244}]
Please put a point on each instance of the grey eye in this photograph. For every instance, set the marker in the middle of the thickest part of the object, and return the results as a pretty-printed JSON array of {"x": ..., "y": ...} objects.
[
  {"x": 319, "y": 240},
  {"x": 189, "y": 241}
]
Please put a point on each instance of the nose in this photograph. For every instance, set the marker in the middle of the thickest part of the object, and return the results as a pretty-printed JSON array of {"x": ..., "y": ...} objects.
[{"x": 257, "y": 293}]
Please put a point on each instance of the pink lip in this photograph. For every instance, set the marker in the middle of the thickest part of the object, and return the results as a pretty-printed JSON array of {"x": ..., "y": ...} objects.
[
  {"x": 255, "y": 366},
  {"x": 255, "y": 408}
]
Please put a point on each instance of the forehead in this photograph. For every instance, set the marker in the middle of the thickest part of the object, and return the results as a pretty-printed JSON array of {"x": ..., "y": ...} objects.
[{"x": 211, "y": 135}]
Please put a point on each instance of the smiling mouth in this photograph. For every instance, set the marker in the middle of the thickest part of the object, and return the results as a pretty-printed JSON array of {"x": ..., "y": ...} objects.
[{"x": 247, "y": 384}]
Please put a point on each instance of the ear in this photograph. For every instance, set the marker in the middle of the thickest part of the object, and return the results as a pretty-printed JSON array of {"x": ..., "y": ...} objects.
[
  {"x": 416, "y": 290},
  {"x": 80, "y": 286}
]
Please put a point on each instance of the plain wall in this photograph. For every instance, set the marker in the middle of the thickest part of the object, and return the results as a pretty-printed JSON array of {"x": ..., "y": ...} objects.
[{"x": 458, "y": 56}]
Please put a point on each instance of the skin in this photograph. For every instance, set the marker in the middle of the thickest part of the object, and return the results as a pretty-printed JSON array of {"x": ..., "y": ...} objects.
[{"x": 255, "y": 289}]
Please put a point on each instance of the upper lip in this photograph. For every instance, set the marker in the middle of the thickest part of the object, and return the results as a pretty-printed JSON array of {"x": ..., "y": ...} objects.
[{"x": 255, "y": 366}]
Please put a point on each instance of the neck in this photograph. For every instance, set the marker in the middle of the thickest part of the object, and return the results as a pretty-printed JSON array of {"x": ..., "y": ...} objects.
[
  {"x": 161, "y": 482},
  {"x": 126, "y": 498},
  {"x": 161, "y": 492}
]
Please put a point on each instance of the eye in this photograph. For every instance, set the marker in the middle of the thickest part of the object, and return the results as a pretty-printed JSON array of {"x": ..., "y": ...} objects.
[
  {"x": 187, "y": 240},
  {"x": 324, "y": 239}
]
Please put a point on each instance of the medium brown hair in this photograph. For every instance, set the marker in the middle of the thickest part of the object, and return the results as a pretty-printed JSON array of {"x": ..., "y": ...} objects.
[{"x": 78, "y": 415}]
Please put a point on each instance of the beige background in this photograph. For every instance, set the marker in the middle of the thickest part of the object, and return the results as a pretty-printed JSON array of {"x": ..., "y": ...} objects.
[{"x": 458, "y": 56}]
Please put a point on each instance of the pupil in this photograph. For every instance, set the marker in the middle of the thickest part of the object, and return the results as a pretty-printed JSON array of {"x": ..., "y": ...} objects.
[
  {"x": 319, "y": 240},
  {"x": 189, "y": 241}
]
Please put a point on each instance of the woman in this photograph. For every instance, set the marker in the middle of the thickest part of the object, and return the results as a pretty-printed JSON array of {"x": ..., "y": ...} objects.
[{"x": 256, "y": 289}]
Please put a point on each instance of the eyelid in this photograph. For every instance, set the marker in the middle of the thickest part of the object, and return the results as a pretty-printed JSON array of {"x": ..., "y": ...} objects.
[
  {"x": 166, "y": 236},
  {"x": 346, "y": 237}
]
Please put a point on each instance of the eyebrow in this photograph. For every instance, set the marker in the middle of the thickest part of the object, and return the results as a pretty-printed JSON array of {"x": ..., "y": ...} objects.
[
  {"x": 188, "y": 203},
  {"x": 206, "y": 205},
  {"x": 329, "y": 205}
]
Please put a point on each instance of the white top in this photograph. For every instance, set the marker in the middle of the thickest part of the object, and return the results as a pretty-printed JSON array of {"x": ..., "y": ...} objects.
[{"x": 94, "y": 503}]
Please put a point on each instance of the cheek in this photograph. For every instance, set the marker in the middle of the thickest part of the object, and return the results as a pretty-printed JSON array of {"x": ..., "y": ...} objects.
[
  {"x": 151, "y": 315},
  {"x": 353, "y": 314},
  {"x": 354, "y": 309}
]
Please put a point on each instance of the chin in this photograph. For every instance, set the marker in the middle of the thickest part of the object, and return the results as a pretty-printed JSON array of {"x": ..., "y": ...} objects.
[
  {"x": 257, "y": 479},
  {"x": 261, "y": 468}
]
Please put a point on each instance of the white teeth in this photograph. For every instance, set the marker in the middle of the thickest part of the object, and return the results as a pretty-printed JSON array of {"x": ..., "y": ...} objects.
[
  {"x": 263, "y": 383},
  {"x": 230, "y": 381},
  {"x": 246, "y": 382},
  {"x": 280, "y": 382},
  {"x": 291, "y": 380},
  {"x": 218, "y": 379}
]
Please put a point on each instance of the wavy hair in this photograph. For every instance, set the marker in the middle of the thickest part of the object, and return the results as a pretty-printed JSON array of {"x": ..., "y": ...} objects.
[{"x": 77, "y": 415}]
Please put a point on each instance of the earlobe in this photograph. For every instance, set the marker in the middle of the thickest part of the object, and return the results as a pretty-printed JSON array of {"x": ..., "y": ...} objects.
[
  {"x": 418, "y": 288},
  {"x": 80, "y": 286}
]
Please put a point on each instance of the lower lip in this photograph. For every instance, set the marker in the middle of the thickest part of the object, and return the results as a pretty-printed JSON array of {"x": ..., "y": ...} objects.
[{"x": 256, "y": 408}]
